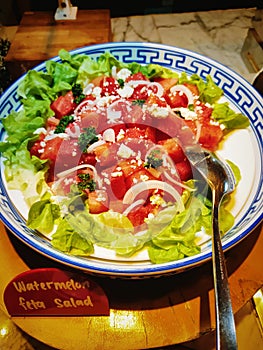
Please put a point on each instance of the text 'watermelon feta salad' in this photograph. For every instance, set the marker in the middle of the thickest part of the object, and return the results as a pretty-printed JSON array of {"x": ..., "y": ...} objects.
[{"x": 98, "y": 151}]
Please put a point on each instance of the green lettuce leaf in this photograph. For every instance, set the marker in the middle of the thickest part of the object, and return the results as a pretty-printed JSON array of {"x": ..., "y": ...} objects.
[
  {"x": 38, "y": 85},
  {"x": 208, "y": 90},
  {"x": 236, "y": 171},
  {"x": 64, "y": 75},
  {"x": 178, "y": 251},
  {"x": 74, "y": 60},
  {"x": 223, "y": 114},
  {"x": 65, "y": 239},
  {"x": 25, "y": 173},
  {"x": 178, "y": 239},
  {"x": 42, "y": 216},
  {"x": 20, "y": 129},
  {"x": 109, "y": 230},
  {"x": 91, "y": 68}
]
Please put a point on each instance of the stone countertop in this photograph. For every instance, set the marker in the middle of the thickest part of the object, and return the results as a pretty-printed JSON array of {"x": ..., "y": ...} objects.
[{"x": 219, "y": 34}]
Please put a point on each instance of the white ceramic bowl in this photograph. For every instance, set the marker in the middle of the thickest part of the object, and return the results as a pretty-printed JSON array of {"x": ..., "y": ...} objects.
[{"x": 244, "y": 147}]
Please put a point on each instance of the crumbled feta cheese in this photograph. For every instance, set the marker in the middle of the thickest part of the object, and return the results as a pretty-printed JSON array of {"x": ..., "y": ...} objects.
[
  {"x": 97, "y": 91},
  {"x": 125, "y": 151},
  {"x": 139, "y": 162},
  {"x": 88, "y": 89},
  {"x": 120, "y": 135},
  {"x": 150, "y": 216},
  {"x": 40, "y": 131},
  {"x": 125, "y": 92},
  {"x": 158, "y": 112},
  {"x": 53, "y": 136},
  {"x": 214, "y": 122},
  {"x": 123, "y": 74},
  {"x": 144, "y": 177},
  {"x": 187, "y": 114},
  {"x": 107, "y": 181},
  {"x": 117, "y": 173},
  {"x": 109, "y": 135},
  {"x": 101, "y": 197},
  {"x": 157, "y": 200},
  {"x": 113, "y": 116}
]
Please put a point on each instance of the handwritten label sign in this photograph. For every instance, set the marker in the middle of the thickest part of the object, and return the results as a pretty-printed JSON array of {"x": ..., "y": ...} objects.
[{"x": 51, "y": 291}]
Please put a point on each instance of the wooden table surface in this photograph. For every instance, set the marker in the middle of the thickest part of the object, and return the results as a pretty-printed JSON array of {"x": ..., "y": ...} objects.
[
  {"x": 143, "y": 313},
  {"x": 40, "y": 37}
]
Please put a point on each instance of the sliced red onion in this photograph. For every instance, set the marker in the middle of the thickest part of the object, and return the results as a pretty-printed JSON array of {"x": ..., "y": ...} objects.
[
  {"x": 132, "y": 206},
  {"x": 178, "y": 183},
  {"x": 133, "y": 192},
  {"x": 185, "y": 90},
  {"x": 62, "y": 175},
  {"x": 75, "y": 133},
  {"x": 83, "y": 104},
  {"x": 112, "y": 115},
  {"x": 95, "y": 145}
]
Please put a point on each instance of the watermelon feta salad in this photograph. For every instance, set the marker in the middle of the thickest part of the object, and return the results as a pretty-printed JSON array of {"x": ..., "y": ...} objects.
[{"x": 98, "y": 151}]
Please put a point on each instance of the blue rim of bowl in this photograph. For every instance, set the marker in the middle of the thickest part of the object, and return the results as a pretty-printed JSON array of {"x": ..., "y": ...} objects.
[{"x": 124, "y": 51}]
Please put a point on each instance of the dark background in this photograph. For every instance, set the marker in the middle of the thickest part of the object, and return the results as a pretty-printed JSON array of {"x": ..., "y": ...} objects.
[
  {"x": 140, "y": 7},
  {"x": 11, "y": 11}
]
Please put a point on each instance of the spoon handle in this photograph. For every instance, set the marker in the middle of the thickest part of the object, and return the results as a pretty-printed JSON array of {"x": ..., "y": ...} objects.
[{"x": 225, "y": 323}]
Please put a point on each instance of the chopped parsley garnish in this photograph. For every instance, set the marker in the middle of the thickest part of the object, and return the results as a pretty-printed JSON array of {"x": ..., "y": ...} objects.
[
  {"x": 63, "y": 123},
  {"x": 138, "y": 102},
  {"x": 87, "y": 138},
  {"x": 79, "y": 98},
  {"x": 154, "y": 159},
  {"x": 77, "y": 93},
  {"x": 76, "y": 90},
  {"x": 121, "y": 82},
  {"x": 86, "y": 182}
]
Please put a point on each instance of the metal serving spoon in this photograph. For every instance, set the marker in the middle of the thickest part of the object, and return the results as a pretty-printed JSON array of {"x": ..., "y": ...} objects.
[{"x": 220, "y": 179}]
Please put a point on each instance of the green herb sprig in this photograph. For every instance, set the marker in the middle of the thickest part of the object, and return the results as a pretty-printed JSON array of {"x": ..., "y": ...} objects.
[
  {"x": 87, "y": 138},
  {"x": 154, "y": 160},
  {"x": 86, "y": 182},
  {"x": 63, "y": 123}
]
